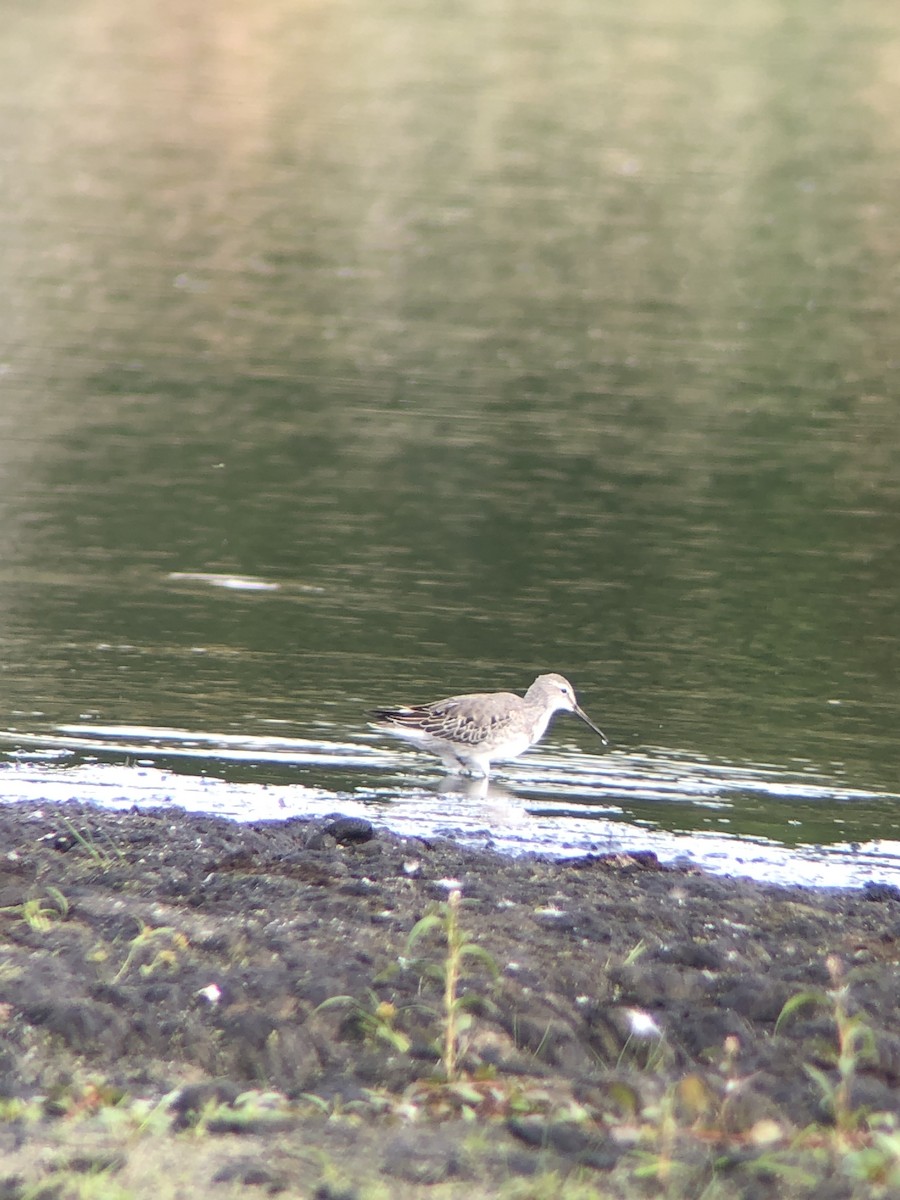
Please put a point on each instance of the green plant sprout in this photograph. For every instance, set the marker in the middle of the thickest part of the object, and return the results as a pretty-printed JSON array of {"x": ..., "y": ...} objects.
[
  {"x": 456, "y": 1020},
  {"x": 37, "y": 915},
  {"x": 166, "y": 956},
  {"x": 854, "y": 1040},
  {"x": 375, "y": 1022}
]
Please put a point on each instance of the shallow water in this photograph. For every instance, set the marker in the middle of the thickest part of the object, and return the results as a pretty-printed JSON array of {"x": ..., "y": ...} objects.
[
  {"x": 554, "y": 802},
  {"x": 361, "y": 356}
]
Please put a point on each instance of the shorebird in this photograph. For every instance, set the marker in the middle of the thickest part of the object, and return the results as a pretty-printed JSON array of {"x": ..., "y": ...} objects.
[{"x": 470, "y": 732}]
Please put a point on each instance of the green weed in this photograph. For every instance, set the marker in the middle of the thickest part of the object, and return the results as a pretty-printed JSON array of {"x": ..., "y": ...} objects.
[
  {"x": 374, "y": 1020},
  {"x": 855, "y": 1041},
  {"x": 99, "y": 855},
  {"x": 166, "y": 956},
  {"x": 448, "y": 972},
  {"x": 40, "y": 913}
]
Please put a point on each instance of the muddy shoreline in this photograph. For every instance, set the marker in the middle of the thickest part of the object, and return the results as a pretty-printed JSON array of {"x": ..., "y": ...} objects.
[{"x": 255, "y": 982}]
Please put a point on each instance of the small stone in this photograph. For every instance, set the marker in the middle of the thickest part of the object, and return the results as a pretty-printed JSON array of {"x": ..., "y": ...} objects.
[
  {"x": 250, "y": 1172},
  {"x": 880, "y": 892},
  {"x": 350, "y": 829},
  {"x": 192, "y": 1099},
  {"x": 424, "y": 1157}
]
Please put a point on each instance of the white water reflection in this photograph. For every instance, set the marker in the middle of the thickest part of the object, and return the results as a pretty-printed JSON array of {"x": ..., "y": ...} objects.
[{"x": 556, "y": 802}]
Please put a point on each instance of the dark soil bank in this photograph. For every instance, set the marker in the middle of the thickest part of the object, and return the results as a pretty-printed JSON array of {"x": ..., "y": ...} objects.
[{"x": 163, "y": 989}]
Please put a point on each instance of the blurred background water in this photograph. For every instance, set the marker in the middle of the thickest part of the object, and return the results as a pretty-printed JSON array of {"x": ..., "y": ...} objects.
[{"x": 361, "y": 353}]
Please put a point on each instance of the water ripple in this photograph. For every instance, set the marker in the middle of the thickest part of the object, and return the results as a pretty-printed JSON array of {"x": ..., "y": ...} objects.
[{"x": 554, "y": 802}]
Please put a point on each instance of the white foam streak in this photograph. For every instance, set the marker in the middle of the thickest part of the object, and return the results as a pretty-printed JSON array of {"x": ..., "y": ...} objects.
[{"x": 581, "y": 803}]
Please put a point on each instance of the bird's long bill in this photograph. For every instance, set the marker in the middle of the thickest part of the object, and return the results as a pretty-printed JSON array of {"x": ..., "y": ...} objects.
[{"x": 579, "y": 712}]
